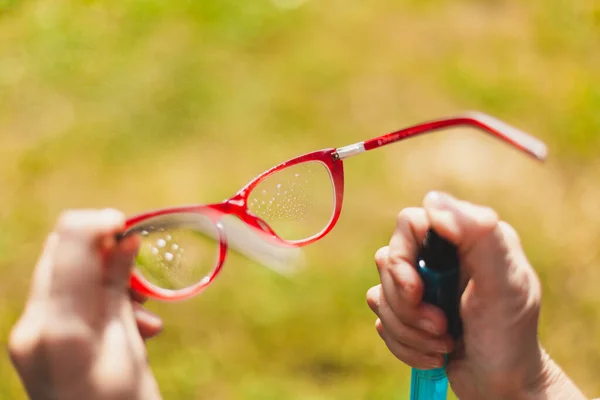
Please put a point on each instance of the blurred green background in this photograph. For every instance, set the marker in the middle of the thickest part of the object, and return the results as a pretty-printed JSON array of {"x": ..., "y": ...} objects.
[{"x": 140, "y": 104}]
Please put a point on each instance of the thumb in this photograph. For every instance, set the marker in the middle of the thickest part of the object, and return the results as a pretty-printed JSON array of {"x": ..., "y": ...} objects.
[
  {"x": 488, "y": 249},
  {"x": 119, "y": 263},
  {"x": 70, "y": 276},
  {"x": 460, "y": 222}
]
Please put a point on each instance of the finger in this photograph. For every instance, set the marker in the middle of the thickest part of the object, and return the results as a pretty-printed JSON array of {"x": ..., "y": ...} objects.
[
  {"x": 399, "y": 279},
  {"x": 461, "y": 222},
  {"x": 149, "y": 324},
  {"x": 24, "y": 338},
  {"x": 490, "y": 250},
  {"x": 408, "y": 335},
  {"x": 119, "y": 263},
  {"x": 89, "y": 225},
  {"x": 402, "y": 286},
  {"x": 42, "y": 275},
  {"x": 397, "y": 262},
  {"x": 411, "y": 227},
  {"x": 77, "y": 262},
  {"x": 409, "y": 355}
]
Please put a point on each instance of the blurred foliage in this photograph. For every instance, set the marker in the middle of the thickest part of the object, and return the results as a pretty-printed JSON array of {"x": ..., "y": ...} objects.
[{"x": 140, "y": 104}]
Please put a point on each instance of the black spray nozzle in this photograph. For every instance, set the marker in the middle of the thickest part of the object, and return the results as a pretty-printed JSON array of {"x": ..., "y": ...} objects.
[
  {"x": 438, "y": 253},
  {"x": 440, "y": 274}
]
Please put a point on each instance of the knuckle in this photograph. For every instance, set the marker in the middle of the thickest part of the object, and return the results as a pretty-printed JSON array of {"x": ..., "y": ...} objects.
[
  {"x": 380, "y": 328},
  {"x": 374, "y": 298},
  {"x": 72, "y": 336},
  {"x": 405, "y": 216},
  {"x": 484, "y": 214},
  {"x": 481, "y": 219},
  {"x": 410, "y": 288},
  {"x": 382, "y": 257},
  {"x": 509, "y": 233},
  {"x": 407, "y": 289},
  {"x": 23, "y": 342},
  {"x": 396, "y": 255},
  {"x": 492, "y": 214},
  {"x": 67, "y": 221},
  {"x": 535, "y": 291}
]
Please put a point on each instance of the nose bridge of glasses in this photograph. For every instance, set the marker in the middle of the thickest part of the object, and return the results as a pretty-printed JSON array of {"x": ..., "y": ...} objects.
[{"x": 238, "y": 201}]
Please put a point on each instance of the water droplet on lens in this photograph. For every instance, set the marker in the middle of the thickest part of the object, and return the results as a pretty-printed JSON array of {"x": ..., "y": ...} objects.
[
  {"x": 154, "y": 250},
  {"x": 169, "y": 256},
  {"x": 161, "y": 243},
  {"x": 144, "y": 233},
  {"x": 168, "y": 237},
  {"x": 175, "y": 246}
]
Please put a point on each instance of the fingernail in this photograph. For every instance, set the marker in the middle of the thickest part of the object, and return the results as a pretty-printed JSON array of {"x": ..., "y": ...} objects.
[
  {"x": 434, "y": 363},
  {"x": 441, "y": 348},
  {"x": 427, "y": 325},
  {"x": 147, "y": 316}
]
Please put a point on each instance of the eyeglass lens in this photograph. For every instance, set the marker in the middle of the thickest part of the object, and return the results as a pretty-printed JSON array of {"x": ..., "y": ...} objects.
[
  {"x": 177, "y": 251},
  {"x": 297, "y": 202}
]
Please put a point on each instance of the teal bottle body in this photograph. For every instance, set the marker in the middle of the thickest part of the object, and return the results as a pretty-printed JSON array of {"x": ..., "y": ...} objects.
[
  {"x": 430, "y": 384},
  {"x": 441, "y": 288},
  {"x": 438, "y": 267}
]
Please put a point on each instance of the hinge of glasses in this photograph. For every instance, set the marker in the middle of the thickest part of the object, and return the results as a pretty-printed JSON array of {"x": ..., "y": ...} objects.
[{"x": 348, "y": 151}]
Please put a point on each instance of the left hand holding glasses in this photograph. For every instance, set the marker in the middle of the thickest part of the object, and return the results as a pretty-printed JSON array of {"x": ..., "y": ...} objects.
[{"x": 81, "y": 335}]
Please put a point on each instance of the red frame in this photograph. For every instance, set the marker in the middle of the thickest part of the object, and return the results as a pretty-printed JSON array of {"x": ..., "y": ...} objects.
[
  {"x": 332, "y": 158},
  {"x": 486, "y": 123}
]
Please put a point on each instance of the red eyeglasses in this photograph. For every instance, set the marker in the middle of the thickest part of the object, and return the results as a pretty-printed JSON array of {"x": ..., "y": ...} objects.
[{"x": 291, "y": 205}]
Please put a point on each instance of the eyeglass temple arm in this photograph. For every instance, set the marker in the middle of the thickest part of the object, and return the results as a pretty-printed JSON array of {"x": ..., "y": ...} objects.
[{"x": 509, "y": 134}]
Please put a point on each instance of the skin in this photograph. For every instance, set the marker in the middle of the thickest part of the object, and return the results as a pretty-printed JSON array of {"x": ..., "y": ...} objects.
[
  {"x": 81, "y": 334},
  {"x": 499, "y": 355}
]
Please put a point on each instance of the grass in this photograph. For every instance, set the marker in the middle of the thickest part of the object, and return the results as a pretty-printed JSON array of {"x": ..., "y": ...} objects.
[{"x": 140, "y": 104}]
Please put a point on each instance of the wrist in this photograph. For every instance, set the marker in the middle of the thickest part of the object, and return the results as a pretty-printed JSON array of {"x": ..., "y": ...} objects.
[{"x": 552, "y": 383}]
